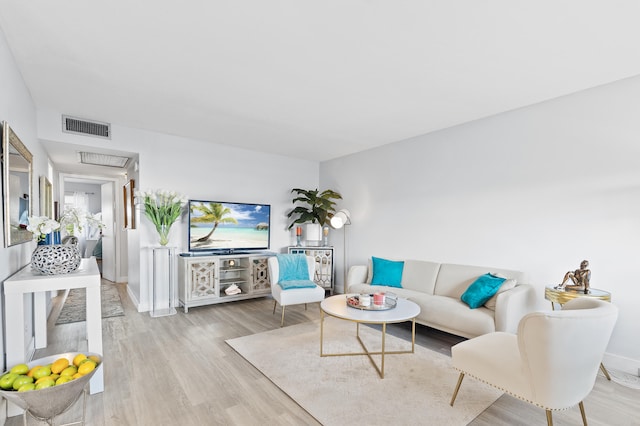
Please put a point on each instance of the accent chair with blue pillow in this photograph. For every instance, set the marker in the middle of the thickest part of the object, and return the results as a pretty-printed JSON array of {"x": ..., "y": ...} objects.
[{"x": 292, "y": 283}]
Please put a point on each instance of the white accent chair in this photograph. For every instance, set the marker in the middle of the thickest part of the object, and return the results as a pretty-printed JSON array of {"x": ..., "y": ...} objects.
[
  {"x": 552, "y": 362},
  {"x": 293, "y": 296}
]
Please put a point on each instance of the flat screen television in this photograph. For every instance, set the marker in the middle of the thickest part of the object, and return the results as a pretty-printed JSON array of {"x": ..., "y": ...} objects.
[{"x": 222, "y": 227}]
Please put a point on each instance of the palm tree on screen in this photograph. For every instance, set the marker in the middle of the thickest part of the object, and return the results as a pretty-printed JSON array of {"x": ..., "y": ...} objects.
[{"x": 212, "y": 213}]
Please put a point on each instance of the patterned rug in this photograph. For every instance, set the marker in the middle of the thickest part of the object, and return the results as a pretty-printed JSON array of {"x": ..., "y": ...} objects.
[
  {"x": 347, "y": 390},
  {"x": 75, "y": 310}
]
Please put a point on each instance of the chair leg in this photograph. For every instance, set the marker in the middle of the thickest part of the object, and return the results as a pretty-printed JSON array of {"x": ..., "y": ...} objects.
[
  {"x": 549, "y": 418},
  {"x": 455, "y": 392},
  {"x": 282, "y": 320},
  {"x": 584, "y": 416},
  {"x": 274, "y": 307},
  {"x": 305, "y": 306}
]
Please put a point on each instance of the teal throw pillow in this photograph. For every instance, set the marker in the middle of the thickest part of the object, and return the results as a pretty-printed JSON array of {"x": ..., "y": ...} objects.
[
  {"x": 292, "y": 267},
  {"x": 481, "y": 290},
  {"x": 387, "y": 272}
]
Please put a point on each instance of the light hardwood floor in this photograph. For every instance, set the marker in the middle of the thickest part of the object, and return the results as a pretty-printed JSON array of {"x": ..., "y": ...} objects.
[{"x": 178, "y": 370}]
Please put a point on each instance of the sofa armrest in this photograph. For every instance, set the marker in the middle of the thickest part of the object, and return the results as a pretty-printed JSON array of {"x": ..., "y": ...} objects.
[
  {"x": 512, "y": 305},
  {"x": 357, "y": 275}
]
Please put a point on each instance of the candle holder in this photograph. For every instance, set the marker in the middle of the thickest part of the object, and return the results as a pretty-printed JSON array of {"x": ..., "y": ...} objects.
[{"x": 298, "y": 236}]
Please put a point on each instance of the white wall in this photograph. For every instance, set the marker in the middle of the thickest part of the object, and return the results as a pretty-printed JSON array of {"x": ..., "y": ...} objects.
[
  {"x": 537, "y": 189},
  {"x": 199, "y": 170},
  {"x": 18, "y": 109}
]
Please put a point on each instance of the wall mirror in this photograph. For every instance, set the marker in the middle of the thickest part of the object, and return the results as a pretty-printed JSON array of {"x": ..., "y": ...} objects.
[{"x": 16, "y": 187}]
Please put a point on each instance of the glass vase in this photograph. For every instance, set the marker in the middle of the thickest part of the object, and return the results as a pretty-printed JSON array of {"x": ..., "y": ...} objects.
[{"x": 163, "y": 231}]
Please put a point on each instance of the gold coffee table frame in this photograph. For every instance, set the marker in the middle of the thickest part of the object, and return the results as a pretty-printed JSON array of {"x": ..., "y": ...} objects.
[
  {"x": 336, "y": 306},
  {"x": 561, "y": 297}
]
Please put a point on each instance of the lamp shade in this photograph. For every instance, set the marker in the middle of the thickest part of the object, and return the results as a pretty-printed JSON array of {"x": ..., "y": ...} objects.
[{"x": 341, "y": 218}]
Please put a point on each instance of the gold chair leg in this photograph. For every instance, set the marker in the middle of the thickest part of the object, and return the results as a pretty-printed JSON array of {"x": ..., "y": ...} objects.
[
  {"x": 604, "y": 370},
  {"x": 549, "y": 418},
  {"x": 282, "y": 320},
  {"x": 584, "y": 416},
  {"x": 455, "y": 392},
  {"x": 274, "y": 307}
]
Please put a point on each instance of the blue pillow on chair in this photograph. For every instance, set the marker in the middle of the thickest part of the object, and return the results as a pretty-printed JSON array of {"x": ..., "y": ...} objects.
[
  {"x": 387, "y": 272},
  {"x": 481, "y": 290}
]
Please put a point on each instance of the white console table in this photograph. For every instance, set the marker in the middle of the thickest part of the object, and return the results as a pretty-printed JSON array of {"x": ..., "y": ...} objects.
[{"x": 28, "y": 281}]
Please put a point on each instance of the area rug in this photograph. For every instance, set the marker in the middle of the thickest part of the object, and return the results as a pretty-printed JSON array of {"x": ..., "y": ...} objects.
[
  {"x": 416, "y": 388},
  {"x": 75, "y": 309}
]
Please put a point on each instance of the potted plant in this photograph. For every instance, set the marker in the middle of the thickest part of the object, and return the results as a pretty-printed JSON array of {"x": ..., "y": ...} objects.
[{"x": 316, "y": 210}]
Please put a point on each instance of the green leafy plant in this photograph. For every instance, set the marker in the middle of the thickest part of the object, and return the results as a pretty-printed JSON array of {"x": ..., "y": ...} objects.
[{"x": 318, "y": 206}]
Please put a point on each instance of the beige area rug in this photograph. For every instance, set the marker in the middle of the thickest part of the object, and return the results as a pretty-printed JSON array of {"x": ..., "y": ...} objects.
[
  {"x": 75, "y": 309},
  {"x": 416, "y": 388}
]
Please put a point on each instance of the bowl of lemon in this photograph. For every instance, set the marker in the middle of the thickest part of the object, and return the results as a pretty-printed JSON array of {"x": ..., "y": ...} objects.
[{"x": 47, "y": 387}]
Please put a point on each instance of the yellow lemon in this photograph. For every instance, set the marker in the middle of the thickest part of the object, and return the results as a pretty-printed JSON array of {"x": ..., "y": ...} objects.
[
  {"x": 33, "y": 369},
  {"x": 59, "y": 365},
  {"x": 63, "y": 379},
  {"x": 86, "y": 367},
  {"x": 42, "y": 372},
  {"x": 77, "y": 375},
  {"x": 78, "y": 358},
  {"x": 46, "y": 382},
  {"x": 95, "y": 358},
  {"x": 21, "y": 380},
  {"x": 6, "y": 381},
  {"x": 20, "y": 369},
  {"x": 69, "y": 371},
  {"x": 27, "y": 387}
]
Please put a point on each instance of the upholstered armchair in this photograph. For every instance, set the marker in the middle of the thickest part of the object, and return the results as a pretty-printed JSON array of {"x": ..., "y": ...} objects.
[
  {"x": 287, "y": 288},
  {"x": 552, "y": 362}
]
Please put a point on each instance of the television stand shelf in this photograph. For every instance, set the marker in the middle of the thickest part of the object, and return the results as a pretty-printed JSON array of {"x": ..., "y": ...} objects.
[{"x": 204, "y": 279}]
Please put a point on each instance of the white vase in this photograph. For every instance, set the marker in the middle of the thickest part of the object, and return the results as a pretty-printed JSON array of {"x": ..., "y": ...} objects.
[{"x": 313, "y": 234}]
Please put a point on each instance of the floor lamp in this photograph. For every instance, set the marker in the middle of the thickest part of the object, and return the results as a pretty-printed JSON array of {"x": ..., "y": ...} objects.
[{"x": 340, "y": 219}]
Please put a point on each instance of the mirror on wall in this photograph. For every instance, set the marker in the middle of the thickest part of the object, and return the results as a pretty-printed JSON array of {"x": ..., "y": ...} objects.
[{"x": 16, "y": 187}]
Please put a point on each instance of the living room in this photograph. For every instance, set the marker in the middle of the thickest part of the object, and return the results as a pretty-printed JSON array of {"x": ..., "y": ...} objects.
[{"x": 537, "y": 188}]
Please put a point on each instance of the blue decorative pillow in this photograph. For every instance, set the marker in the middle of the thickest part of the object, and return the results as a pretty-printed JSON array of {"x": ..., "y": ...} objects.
[
  {"x": 387, "y": 272},
  {"x": 481, "y": 290}
]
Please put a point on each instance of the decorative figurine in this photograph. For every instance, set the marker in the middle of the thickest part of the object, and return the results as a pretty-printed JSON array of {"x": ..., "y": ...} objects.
[{"x": 579, "y": 277}]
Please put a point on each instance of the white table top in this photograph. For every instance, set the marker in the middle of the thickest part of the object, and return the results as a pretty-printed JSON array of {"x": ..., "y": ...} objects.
[
  {"x": 337, "y": 306},
  {"x": 26, "y": 280}
]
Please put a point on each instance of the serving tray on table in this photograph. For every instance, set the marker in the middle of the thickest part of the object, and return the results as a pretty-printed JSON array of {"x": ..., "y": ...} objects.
[{"x": 354, "y": 302}]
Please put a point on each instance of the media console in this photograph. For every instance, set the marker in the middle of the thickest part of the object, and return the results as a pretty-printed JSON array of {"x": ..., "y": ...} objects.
[{"x": 206, "y": 279}]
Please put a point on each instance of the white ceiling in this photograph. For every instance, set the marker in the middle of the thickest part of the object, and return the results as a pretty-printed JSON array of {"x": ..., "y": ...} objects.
[{"x": 308, "y": 79}]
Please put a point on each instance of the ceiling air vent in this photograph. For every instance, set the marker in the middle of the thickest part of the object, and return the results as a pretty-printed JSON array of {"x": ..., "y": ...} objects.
[{"x": 86, "y": 127}]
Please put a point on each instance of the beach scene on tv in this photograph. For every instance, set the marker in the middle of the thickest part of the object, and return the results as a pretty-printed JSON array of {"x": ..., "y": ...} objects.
[{"x": 214, "y": 226}]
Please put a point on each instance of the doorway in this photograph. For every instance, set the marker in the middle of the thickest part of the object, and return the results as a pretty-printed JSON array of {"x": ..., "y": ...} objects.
[{"x": 95, "y": 195}]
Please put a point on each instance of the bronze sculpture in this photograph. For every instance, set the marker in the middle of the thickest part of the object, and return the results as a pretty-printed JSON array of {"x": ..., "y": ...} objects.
[{"x": 579, "y": 277}]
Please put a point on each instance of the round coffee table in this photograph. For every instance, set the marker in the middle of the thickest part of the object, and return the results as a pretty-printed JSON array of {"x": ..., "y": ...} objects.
[{"x": 336, "y": 306}]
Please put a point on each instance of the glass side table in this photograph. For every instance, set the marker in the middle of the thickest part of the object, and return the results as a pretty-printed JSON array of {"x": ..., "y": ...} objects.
[{"x": 561, "y": 297}]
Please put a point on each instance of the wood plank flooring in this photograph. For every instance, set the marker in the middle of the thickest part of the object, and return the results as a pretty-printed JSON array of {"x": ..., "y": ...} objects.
[{"x": 178, "y": 370}]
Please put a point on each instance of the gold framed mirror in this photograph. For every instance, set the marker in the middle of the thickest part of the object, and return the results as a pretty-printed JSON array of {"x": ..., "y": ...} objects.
[{"x": 17, "y": 166}]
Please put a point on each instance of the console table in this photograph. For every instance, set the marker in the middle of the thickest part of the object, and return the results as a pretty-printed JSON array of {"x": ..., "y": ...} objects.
[{"x": 26, "y": 281}]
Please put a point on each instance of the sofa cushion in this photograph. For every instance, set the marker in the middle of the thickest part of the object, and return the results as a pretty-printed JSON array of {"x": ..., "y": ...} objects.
[
  {"x": 481, "y": 290},
  {"x": 420, "y": 275},
  {"x": 454, "y": 316},
  {"x": 508, "y": 284},
  {"x": 387, "y": 272},
  {"x": 453, "y": 280}
]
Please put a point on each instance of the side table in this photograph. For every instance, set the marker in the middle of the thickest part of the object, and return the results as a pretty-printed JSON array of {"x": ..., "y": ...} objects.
[{"x": 561, "y": 297}]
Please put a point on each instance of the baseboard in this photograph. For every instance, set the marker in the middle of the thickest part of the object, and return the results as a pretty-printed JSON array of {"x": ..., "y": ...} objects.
[
  {"x": 136, "y": 302},
  {"x": 620, "y": 363}
]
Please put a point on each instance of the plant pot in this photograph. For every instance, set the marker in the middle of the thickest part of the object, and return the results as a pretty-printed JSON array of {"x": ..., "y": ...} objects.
[{"x": 313, "y": 234}]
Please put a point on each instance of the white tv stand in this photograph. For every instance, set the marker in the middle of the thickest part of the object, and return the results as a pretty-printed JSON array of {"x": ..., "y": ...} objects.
[{"x": 203, "y": 279}]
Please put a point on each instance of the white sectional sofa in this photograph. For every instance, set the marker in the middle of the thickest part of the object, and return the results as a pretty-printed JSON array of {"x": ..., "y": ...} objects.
[{"x": 437, "y": 288}]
